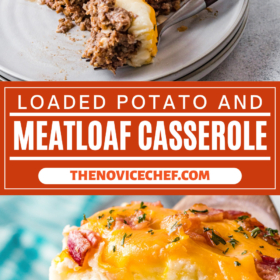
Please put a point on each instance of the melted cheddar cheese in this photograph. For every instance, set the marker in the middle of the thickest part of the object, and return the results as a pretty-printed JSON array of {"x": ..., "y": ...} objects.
[{"x": 158, "y": 252}]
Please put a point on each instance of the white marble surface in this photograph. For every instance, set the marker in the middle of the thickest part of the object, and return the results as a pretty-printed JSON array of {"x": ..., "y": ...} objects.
[{"x": 257, "y": 56}]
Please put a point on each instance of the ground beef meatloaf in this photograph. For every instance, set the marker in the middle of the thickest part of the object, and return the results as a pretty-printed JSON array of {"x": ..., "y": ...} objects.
[
  {"x": 73, "y": 11},
  {"x": 122, "y": 32},
  {"x": 110, "y": 45},
  {"x": 164, "y": 7}
]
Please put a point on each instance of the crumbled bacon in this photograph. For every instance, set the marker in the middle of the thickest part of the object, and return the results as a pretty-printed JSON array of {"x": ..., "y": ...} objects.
[
  {"x": 251, "y": 223},
  {"x": 91, "y": 236},
  {"x": 121, "y": 223},
  {"x": 247, "y": 223},
  {"x": 78, "y": 246},
  {"x": 197, "y": 232},
  {"x": 171, "y": 223},
  {"x": 195, "y": 224},
  {"x": 197, "y": 237},
  {"x": 233, "y": 214},
  {"x": 213, "y": 215},
  {"x": 273, "y": 240},
  {"x": 156, "y": 204},
  {"x": 79, "y": 242},
  {"x": 208, "y": 236},
  {"x": 268, "y": 267},
  {"x": 192, "y": 226},
  {"x": 132, "y": 221}
]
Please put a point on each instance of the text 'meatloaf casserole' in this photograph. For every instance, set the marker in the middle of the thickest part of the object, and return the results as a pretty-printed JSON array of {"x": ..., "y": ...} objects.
[{"x": 146, "y": 241}]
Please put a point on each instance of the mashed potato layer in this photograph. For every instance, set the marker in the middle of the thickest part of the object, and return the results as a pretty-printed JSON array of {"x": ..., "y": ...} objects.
[{"x": 144, "y": 28}]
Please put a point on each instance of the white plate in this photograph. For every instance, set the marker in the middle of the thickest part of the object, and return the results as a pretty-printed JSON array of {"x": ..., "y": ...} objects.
[
  {"x": 31, "y": 50},
  {"x": 200, "y": 72},
  {"x": 5, "y": 76},
  {"x": 215, "y": 62}
]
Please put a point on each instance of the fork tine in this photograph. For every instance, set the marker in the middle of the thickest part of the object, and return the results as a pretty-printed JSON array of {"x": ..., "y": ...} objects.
[{"x": 99, "y": 68}]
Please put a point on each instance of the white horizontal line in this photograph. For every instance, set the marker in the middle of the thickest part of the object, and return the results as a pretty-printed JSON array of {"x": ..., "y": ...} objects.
[
  {"x": 143, "y": 188},
  {"x": 140, "y": 114},
  {"x": 137, "y": 158},
  {"x": 143, "y": 87}
]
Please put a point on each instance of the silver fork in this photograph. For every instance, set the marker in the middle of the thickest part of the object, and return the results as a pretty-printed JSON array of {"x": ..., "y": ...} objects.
[{"x": 188, "y": 9}]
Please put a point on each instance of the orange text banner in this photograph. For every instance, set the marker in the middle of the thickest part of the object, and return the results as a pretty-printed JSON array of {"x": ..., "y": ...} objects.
[{"x": 139, "y": 138}]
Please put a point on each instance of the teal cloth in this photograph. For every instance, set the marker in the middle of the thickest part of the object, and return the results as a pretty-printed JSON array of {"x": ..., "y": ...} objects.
[
  {"x": 31, "y": 228},
  {"x": 30, "y": 231}
]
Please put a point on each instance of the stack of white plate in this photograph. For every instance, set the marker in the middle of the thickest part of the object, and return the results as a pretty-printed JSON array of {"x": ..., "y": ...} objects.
[{"x": 30, "y": 50}]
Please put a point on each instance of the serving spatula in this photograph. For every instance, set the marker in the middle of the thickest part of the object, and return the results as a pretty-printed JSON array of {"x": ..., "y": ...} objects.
[{"x": 260, "y": 206}]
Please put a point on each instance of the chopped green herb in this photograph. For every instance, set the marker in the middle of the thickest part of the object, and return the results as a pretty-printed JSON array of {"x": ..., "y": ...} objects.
[
  {"x": 111, "y": 211},
  {"x": 152, "y": 233},
  {"x": 217, "y": 239},
  {"x": 114, "y": 248},
  {"x": 196, "y": 211},
  {"x": 142, "y": 206},
  {"x": 241, "y": 218},
  {"x": 85, "y": 218},
  {"x": 141, "y": 218},
  {"x": 233, "y": 242},
  {"x": 278, "y": 268},
  {"x": 275, "y": 240},
  {"x": 185, "y": 212},
  {"x": 175, "y": 240},
  {"x": 278, "y": 249},
  {"x": 255, "y": 232},
  {"x": 206, "y": 229},
  {"x": 125, "y": 222},
  {"x": 174, "y": 227},
  {"x": 271, "y": 232},
  {"x": 224, "y": 252},
  {"x": 244, "y": 252},
  {"x": 129, "y": 235},
  {"x": 262, "y": 247},
  {"x": 239, "y": 229},
  {"x": 110, "y": 221},
  {"x": 150, "y": 230},
  {"x": 100, "y": 217},
  {"x": 123, "y": 239},
  {"x": 237, "y": 263},
  {"x": 230, "y": 236}
]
